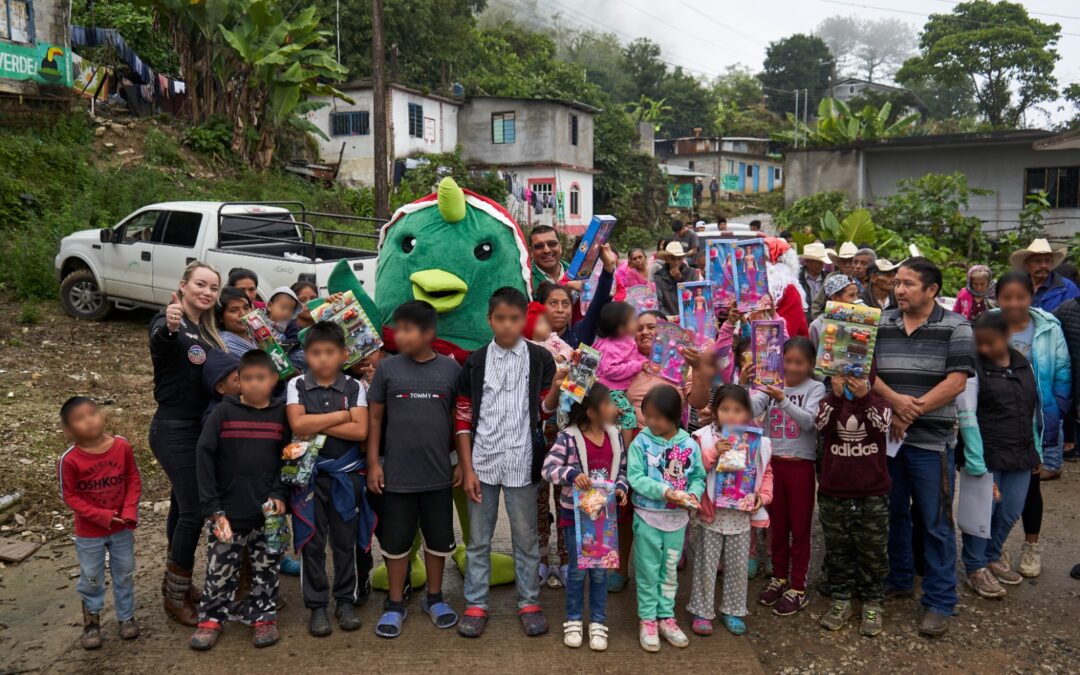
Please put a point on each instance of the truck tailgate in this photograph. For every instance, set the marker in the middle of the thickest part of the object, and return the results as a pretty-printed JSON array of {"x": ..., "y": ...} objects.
[{"x": 363, "y": 268}]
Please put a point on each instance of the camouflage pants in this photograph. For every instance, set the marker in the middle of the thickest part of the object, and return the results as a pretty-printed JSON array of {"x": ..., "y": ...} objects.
[
  {"x": 223, "y": 561},
  {"x": 856, "y": 545}
]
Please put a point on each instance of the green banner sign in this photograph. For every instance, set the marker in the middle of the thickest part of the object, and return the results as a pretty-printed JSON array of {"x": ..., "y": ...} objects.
[
  {"x": 681, "y": 195},
  {"x": 43, "y": 63},
  {"x": 730, "y": 182}
]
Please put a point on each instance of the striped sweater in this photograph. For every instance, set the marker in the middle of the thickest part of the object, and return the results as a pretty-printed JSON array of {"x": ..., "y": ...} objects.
[{"x": 563, "y": 463}]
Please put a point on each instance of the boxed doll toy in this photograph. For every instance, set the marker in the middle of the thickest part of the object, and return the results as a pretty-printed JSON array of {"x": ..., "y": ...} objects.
[
  {"x": 767, "y": 347},
  {"x": 596, "y": 524},
  {"x": 667, "y": 359},
  {"x": 696, "y": 312},
  {"x": 736, "y": 469}
]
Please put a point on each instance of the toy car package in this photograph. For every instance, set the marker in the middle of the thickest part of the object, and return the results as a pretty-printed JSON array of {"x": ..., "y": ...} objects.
[
  {"x": 261, "y": 334},
  {"x": 582, "y": 373},
  {"x": 848, "y": 335},
  {"x": 361, "y": 337}
]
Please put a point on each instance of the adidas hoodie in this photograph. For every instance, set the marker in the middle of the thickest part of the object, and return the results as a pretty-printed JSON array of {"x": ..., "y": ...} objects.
[{"x": 853, "y": 434}]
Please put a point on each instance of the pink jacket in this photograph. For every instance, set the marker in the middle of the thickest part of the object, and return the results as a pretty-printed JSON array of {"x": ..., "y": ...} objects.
[
  {"x": 629, "y": 276},
  {"x": 620, "y": 361}
]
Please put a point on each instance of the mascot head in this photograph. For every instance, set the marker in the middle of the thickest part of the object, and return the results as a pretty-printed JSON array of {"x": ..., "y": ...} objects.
[{"x": 452, "y": 249}]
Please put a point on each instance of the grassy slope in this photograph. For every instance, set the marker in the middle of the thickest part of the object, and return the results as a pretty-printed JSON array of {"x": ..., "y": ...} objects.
[{"x": 57, "y": 180}]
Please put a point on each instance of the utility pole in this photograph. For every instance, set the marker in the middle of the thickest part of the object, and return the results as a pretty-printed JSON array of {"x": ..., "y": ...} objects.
[
  {"x": 805, "y": 117},
  {"x": 378, "y": 104},
  {"x": 796, "y": 118}
]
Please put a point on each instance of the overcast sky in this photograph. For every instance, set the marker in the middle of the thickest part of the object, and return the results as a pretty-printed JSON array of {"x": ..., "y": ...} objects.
[{"x": 706, "y": 35}]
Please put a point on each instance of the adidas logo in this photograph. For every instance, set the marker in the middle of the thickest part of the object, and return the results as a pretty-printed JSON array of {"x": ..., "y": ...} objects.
[{"x": 852, "y": 430}]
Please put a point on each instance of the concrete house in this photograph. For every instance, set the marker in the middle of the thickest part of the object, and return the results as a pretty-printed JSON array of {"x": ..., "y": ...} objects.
[
  {"x": 1013, "y": 164},
  {"x": 544, "y": 149},
  {"x": 35, "y": 47},
  {"x": 740, "y": 164},
  {"x": 417, "y": 123}
]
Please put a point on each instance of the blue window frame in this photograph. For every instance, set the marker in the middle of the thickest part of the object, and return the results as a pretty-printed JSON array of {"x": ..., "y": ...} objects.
[
  {"x": 17, "y": 21},
  {"x": 351, "y": 123},
  {"x": 416, "y": 120},
  {"x": 503, "y": 129}
]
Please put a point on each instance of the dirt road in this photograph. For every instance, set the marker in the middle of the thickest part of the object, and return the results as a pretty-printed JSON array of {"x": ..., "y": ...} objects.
[{"x": 1036, "y": 628}]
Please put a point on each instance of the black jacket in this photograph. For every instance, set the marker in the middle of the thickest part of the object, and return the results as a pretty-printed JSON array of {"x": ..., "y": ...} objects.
[
  {"x": 541, "y": 373},
  {"x": 1068, "y": 313},
  {"x": 238, "y": 461},
  {"x": 178, "y": 360},
  {"x": 1008, "y": 401}
]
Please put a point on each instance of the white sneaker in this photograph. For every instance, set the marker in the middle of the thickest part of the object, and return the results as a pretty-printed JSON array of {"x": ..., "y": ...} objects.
[
  {"x": 671, "y": 632},
  {"x": 572, "y": 634},
  {"x": 597, "y": 637},
  {"x": 1030, "y": 562},
  {"x": 648, "y": 637}
]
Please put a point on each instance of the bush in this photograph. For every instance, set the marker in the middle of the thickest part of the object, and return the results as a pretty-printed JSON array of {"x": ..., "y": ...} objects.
[
  {"x": 30, "y": 313},
  {"x": 213, "y": 138},
  {"x": 162, "y": 150},
  {"x": 809, "y": 211}
]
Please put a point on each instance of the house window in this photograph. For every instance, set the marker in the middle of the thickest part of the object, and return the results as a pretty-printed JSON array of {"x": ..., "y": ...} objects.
[
  {"x": 730, "y": 167},
  {"x": 416, "y": 120},
  {"x": 573, "y": 129},
  {"x": 543, "y": 192},
  {"x": 575, "y": 200},
  {"x": 1061, "y": 185},
  {"x": 690, "y": 165},
  {"x": 352, "y": 123},
  {"x": 776, "y": 173},
  {"x": 749, "y": 170},
  {"x": 17, "y": 21},
  {"x": 503, "y": 129}
]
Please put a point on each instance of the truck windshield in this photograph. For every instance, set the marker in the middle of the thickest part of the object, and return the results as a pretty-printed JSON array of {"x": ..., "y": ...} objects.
[{"x": 254, "y": 227}]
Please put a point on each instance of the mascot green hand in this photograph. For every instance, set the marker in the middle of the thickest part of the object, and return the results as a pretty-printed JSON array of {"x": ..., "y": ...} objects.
[{"x": 452, "y": 249}]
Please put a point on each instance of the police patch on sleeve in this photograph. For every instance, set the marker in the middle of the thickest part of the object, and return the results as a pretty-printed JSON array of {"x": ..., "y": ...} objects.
[{"x": 196, "y": 354}]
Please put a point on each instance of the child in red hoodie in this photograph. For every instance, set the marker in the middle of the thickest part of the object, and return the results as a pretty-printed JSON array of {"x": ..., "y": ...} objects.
[
  {"x": 853, "y": 500},
  {"x": 101, "y": 484}
]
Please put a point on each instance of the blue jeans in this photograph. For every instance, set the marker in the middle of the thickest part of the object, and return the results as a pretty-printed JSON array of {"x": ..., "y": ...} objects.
[
  {"x": 923, "y": 475},
  {"x": 979, "y": 552},
  {"x": 575, "y": 585},
  {"x": 1054, "y": 457},
  {"x": 91, "y": 586},
  {"x": 521, "y": 509}
]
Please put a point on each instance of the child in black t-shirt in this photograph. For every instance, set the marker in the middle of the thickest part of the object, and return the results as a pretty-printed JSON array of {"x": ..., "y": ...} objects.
[{"x": 415, "y": 476}]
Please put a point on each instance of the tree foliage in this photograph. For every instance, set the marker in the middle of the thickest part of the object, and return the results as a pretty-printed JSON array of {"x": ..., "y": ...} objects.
[
  {"x": 838, "y": 124},
  {"x": 796, "y": 62},
  {"x": 870, "y": 49},
  {"x": 1006, "y": 55}
]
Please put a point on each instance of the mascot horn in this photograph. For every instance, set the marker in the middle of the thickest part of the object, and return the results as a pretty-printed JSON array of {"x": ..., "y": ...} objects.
[{"x": 452, "y": 249}]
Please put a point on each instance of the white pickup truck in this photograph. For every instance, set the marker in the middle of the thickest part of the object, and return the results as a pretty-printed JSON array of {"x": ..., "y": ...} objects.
[{"x": 138, "y": 262}]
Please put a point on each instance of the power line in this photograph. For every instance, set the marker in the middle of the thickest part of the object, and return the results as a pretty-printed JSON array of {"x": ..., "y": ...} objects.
[
  {"x": 1055, "y": 16},
  {"x": 922, "y": 14},
  {"x": 722, "y": 25}
]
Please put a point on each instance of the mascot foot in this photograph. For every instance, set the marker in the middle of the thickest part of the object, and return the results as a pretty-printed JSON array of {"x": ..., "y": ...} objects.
[
  {"x": 502, "y": 566},
  {"x": 380, "y": 579}
]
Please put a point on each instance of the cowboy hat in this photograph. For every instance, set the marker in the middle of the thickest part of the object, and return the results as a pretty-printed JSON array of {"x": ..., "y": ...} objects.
[
  {"x": 674, "y": 250},
  {"x": 1037, "y": 246},
  {"x": 883, "y": 265},
  {"x": 815, "y": 251},
  {"x": 847, "y": 250}
]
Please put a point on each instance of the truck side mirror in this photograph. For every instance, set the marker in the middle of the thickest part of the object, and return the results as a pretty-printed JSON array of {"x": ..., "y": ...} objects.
[{"x": 106, "y": 235}]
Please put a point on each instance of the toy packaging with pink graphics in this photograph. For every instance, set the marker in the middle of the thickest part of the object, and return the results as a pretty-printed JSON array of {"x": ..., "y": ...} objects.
[
  {"x": 596, "y": 524},
  {"x": 667, "y": 359},
  {"x": 737, "y": 269},
  {"x": 736, "y": 469},
  {"x": 696, "y": 312},
  {"x": 767, "y": 347}
]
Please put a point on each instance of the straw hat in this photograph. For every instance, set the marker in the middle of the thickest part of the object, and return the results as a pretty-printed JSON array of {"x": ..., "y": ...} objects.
[
  {"x": 1018, "y": 258},
  {"x": 883, "y": 265},
  {"x": 674, "y": 250},
  {"x": 847, "y": 251},
  {"x": 815, "y": 251}
]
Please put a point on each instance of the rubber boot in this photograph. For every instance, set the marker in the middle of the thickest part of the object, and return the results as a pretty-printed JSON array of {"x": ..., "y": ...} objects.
[
  {"x": 91, "y": 634},
  {"x": 178, "y": 602}
]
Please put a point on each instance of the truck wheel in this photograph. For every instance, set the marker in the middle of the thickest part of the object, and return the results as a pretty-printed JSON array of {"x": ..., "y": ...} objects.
[{"x": 82, "y": 297}]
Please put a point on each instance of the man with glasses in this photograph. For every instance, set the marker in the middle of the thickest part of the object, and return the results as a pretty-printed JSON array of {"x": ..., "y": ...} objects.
[{"x": 547, "y": 263}]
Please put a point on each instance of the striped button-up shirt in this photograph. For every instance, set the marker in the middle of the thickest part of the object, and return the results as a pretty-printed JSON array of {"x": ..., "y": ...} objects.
[{"x": 502, "y": 447}]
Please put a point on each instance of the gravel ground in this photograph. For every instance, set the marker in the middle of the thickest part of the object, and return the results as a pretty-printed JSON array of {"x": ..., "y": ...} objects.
[{"x": 1035, "y": 629}]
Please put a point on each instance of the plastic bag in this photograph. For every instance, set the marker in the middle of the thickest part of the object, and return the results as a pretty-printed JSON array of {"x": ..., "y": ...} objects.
[{"x": 300, "y": 457}]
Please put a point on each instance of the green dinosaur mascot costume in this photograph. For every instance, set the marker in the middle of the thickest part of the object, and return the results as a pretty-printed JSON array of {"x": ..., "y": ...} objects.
[{"x": 452, "y": 249}]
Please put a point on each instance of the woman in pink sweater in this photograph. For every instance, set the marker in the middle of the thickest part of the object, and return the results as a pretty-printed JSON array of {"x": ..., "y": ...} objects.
[{"x": 620, "y": 359}]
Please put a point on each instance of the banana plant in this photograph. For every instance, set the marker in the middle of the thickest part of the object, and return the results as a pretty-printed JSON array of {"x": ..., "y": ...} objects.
[
  {"x": 837, "y": 124},
  {"x": 282, "y": 61}
]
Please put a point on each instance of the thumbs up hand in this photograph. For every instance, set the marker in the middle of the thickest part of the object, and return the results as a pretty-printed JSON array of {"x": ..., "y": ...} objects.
[{"x": 174, "y": 314}]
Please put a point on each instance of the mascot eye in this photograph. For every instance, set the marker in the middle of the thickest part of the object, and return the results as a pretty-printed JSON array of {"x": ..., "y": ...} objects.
[
  {"x": 408, "y": 244},
  {"x": 483, "y": 251}
]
